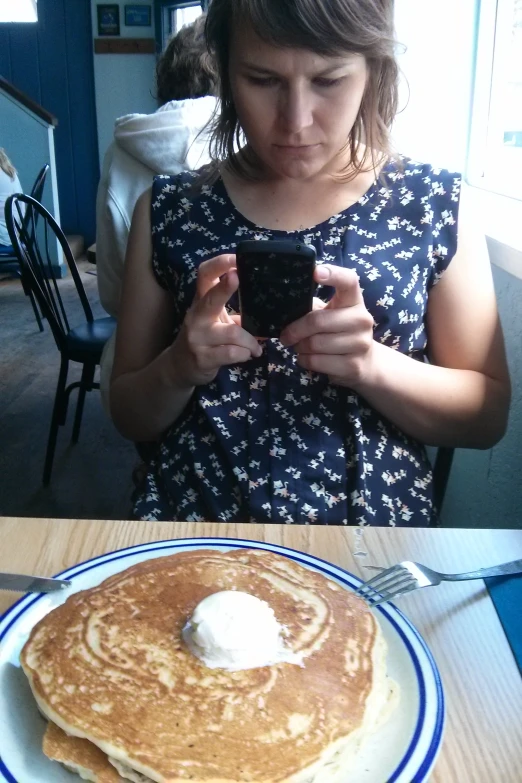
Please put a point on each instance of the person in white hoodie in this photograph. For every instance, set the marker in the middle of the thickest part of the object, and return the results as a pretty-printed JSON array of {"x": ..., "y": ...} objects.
[{"x": 170, "y": 140}]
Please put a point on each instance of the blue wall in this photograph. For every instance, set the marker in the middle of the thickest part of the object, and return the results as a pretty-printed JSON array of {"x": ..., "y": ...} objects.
[{"x": 51, "y": 61}]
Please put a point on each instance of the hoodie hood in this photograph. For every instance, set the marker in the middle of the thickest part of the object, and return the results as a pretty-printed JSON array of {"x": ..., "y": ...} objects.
[{"x": 168, "y": 139}]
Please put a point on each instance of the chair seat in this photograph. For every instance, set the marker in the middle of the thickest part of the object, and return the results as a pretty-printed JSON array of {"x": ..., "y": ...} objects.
[
  {"x": 86, "y": 342},
  {"x": 10, "y": 266}
]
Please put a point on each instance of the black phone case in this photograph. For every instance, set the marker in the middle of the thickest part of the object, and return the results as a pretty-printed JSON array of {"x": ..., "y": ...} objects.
[{"x": 276, "y": 284}]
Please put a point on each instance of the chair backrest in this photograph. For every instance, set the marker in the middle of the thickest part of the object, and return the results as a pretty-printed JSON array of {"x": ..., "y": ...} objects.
[
  {"x": 32, "y": 249},
  {"x": 37, "y": 190},
  {"x": 39, "y": 183},
  {"x": 36, "y": 193}
]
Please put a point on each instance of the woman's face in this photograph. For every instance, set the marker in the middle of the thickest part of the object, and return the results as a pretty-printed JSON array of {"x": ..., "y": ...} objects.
[{"x": 296, "y": 108}]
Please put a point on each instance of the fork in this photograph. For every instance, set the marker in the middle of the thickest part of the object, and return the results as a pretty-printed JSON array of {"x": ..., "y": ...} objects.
[{"x": 407, "y": 576}]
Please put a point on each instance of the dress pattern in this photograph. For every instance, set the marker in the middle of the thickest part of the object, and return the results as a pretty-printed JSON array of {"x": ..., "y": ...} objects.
[{"x": 267, "y": 441}]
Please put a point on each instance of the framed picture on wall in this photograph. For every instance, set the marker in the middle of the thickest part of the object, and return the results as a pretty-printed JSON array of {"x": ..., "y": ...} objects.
[
  {"x": 108, "y": 19},
  {"x": 138, "y": 16}
]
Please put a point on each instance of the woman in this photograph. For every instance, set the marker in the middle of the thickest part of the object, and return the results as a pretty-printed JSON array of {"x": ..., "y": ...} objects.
[
  {"x": 9, "y": 184},
  {"x": 327, "y": 424}
]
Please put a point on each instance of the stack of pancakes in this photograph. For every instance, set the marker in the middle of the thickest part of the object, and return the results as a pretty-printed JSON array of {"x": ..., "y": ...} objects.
[{"x": 125, "y": 697}]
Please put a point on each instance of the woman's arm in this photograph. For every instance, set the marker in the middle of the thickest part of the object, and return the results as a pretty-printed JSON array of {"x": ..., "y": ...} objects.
[
  {"x": 153, "y": 378},
  {"x": 145, "y": 397},
  {"x": 461, "y": 398}
]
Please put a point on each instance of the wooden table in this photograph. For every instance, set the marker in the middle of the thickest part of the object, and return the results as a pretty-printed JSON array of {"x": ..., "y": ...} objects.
[{"x": 483, "y": 687}]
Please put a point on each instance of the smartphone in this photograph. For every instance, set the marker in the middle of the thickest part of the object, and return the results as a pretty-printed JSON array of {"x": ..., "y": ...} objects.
[{"x": 276, "y": 284}]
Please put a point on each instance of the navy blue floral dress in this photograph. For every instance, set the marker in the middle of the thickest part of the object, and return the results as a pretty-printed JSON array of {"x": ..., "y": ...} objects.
[{"x": 267, "y": 441}]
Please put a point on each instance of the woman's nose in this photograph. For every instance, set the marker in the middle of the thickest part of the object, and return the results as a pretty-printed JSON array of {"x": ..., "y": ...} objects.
[{"x": 296, "y": 109}]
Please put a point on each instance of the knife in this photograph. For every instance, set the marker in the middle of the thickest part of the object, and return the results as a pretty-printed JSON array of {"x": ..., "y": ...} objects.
[{"x": 23, "y": 583}]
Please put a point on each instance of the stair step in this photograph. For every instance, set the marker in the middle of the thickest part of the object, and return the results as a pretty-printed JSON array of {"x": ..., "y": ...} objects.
[{"x": 91, "y": 253}]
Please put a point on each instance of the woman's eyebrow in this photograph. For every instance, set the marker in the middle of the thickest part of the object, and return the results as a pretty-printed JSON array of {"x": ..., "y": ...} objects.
[
  {"x": 257, "y": 68},
  {"x": 268, "y": 71}
]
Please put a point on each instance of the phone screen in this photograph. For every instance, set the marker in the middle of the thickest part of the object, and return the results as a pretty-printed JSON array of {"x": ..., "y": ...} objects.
[{"x": 276, "y": 284}]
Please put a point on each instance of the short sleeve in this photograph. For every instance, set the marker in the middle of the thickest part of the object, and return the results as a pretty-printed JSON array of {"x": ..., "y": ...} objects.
[
  {"x": 444, "y": 202},
  {"x": 165, "y": 192}
]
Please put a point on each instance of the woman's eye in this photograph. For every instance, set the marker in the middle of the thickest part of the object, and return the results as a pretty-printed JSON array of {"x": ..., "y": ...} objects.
[
  {"x": 262, "y": 81},
  {"x": 324, "y": 82}
]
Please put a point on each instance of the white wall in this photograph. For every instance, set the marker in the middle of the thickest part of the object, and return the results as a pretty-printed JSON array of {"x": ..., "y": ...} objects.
[
  {"x": 438, "y": 67},
  {"x": 124, "y": 83}
]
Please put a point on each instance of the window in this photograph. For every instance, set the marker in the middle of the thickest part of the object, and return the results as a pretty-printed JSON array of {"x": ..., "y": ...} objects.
[
  {"x": 18, "y": 11},
  {"x": 495, "y": 155},
  {"x": 176, "y": 16},
  {"x": 182, "y": 16}
]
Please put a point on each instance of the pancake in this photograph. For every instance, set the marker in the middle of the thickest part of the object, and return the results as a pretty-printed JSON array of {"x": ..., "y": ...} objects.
[
  {"x": 78, "y": 755},
  {"x": 110, "y": 666}
]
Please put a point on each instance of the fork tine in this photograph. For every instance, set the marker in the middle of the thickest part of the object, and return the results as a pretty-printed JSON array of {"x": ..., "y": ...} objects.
[
  {"x": 389, "y": 595},
  {"x": 391, "y": 589},
  {"x": 392, "y": 585},
  {"x": 376, "y": 579},
  {"x": 389, "y": 582},
  {"x": 392, "y": 577}
]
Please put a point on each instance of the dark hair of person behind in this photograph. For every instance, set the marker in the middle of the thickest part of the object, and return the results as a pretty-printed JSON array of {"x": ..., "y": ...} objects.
[
  {"x": 186, "y": 69},
  {"x": 328, "y": 28}
]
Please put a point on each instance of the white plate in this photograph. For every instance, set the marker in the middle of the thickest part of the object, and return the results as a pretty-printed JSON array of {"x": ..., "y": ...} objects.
[{"x": 403, "y": 751}]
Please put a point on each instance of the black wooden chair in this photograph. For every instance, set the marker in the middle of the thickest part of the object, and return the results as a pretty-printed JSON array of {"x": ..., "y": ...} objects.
[
  {"x": 9, "y": 262},
  {"x": 83, "y": 343},
  {"x": 441, "y": 473}
]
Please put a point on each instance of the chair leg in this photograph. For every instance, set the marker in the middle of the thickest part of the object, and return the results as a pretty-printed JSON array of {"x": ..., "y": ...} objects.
[
  {"x": 85, "y": 386},
  {"x": 55, "y": 420}
]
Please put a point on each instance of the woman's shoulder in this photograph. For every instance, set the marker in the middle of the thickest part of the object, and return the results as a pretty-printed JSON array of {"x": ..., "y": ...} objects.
[
  {"x": 405, "y": 172},
  {"x": 8, "y": 184},
  {"x": 189, "y": 185},
  {"x": 172, "y": 183}
]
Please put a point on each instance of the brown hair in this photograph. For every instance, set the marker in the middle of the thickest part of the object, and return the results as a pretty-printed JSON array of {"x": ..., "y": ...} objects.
[
  {"x": 6, "y": 165},
  {"x": 326, "y": 27},
  {"x": 186, "y": 69}
]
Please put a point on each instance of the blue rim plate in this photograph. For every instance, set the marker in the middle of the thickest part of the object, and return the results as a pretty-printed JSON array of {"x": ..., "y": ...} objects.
[{"x": 402, "y": 751}]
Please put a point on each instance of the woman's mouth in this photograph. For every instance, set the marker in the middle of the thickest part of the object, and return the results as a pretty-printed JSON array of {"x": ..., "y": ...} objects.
[{"x": 297, "y": 148}]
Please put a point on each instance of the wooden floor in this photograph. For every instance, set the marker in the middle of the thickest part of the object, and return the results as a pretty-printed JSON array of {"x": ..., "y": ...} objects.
[{"x": 91, "y": 479}]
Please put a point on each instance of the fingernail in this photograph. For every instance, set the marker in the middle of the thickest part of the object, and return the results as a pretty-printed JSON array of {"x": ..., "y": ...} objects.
[
  {"x": 323, "y": 273},
  {"x": 259, "y": 350}
]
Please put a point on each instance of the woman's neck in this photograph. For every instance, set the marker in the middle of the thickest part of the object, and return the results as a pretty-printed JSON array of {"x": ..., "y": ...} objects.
[{"x": 282, "y": 203}]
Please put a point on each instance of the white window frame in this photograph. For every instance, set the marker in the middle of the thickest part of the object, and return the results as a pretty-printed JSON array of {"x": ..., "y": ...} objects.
[
  {"x": 167, "y": 11},
  {"x": 492, "y": 165}
]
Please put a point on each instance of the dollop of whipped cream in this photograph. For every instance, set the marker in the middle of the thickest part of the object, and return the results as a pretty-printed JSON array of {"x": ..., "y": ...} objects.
[{"x": 233, "y": 630}]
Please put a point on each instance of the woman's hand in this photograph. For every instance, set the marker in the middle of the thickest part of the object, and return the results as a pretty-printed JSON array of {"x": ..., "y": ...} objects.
[
  {"x": 209, "y": 337},
  {"x": 336, "y": 338}
]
